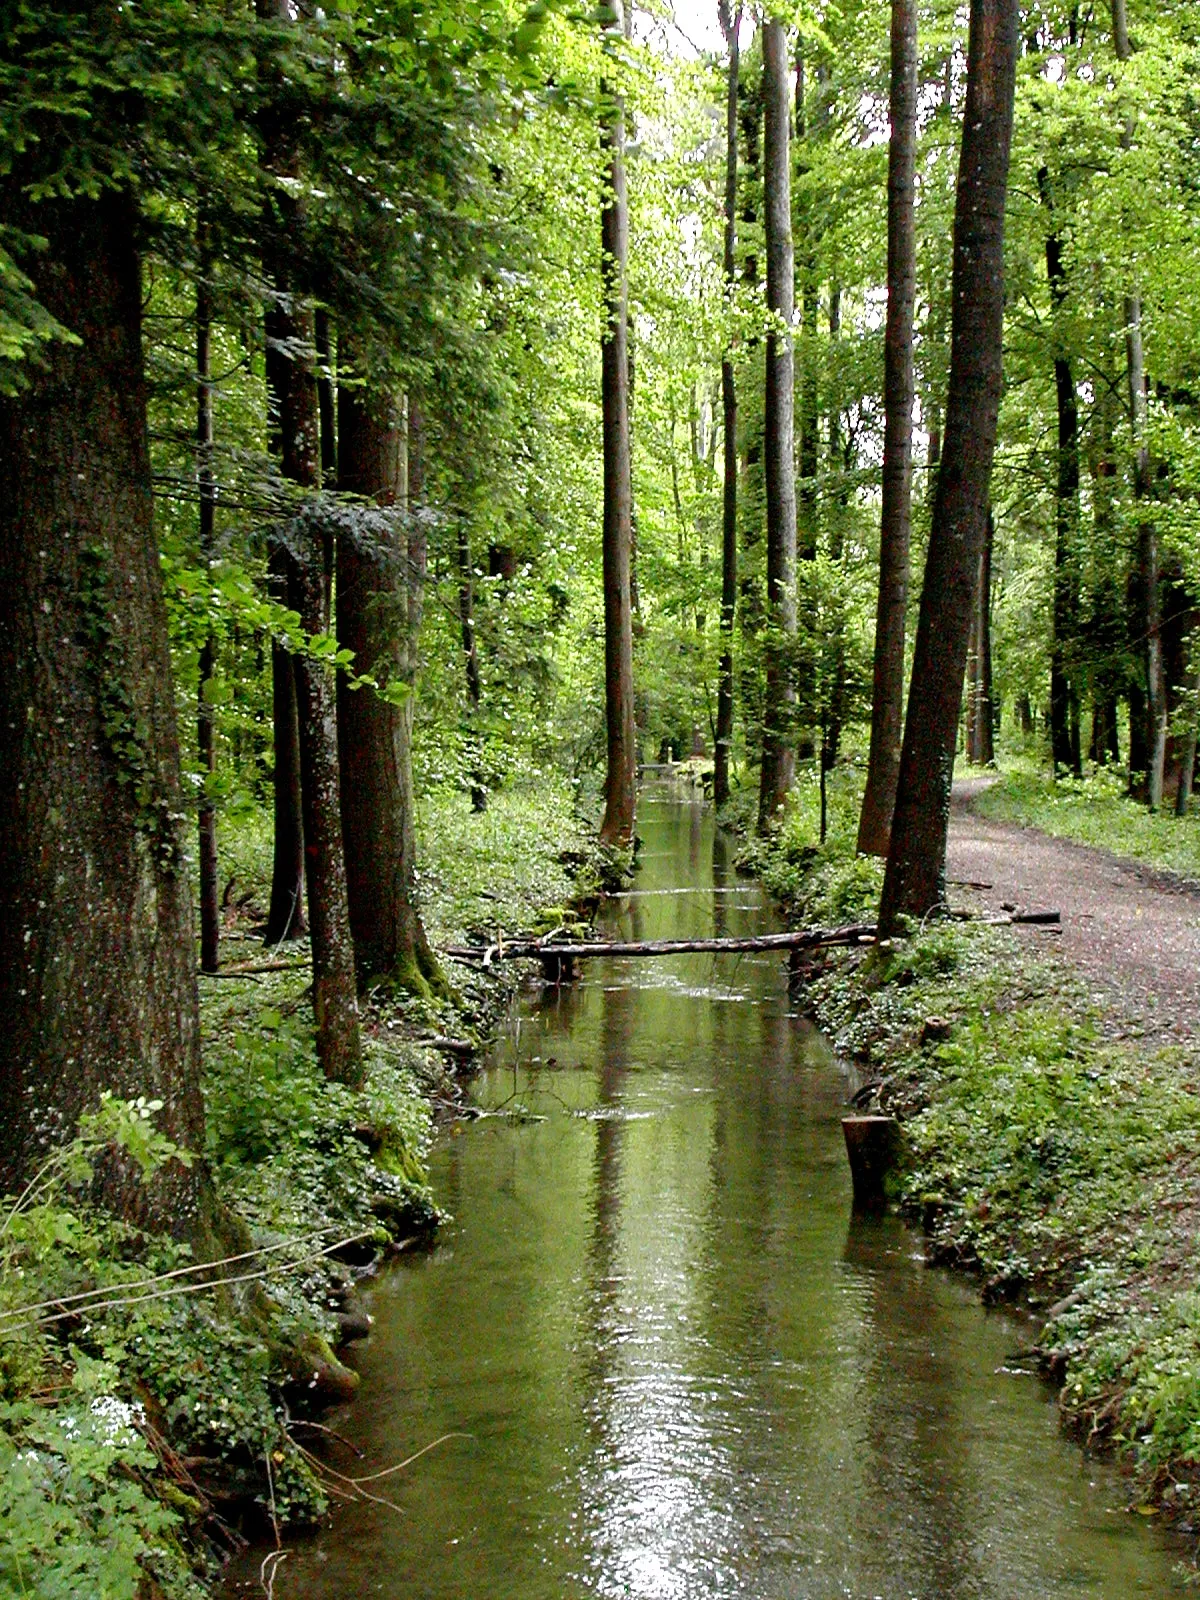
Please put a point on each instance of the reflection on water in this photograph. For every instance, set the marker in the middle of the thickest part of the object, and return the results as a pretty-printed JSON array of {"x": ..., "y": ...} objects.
[{"x": 685, "y": 1368}]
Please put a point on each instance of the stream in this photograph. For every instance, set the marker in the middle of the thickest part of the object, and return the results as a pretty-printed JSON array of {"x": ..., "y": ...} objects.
[{"x": 674, "y": 1363}]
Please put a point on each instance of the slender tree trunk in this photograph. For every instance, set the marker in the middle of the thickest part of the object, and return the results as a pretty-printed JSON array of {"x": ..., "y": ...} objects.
[
  {"x": 466, "y": 618},
  {"x": 1063, "y": 692},
  {"x": 97, "y": 960},
  {"x": 914, "y": 878},
  {"x": 777, "y": 754},
  {"x": 887, "y": 696},
  {"x": 620, "y": 784},
  {"x": 835, "y": 709},
  {"x": 723, "y": 738},
  {"x": 210, "y": 910},
  {"x": 1150, "y": 621},
  {"x": 381, "y": 583},
  {"x": 980, "y": 752},
  {"x": 285, "y": 917}
]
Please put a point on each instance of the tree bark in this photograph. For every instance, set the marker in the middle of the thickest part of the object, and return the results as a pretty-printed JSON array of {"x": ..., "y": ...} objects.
[
  {"x": 914, "y": 877},
  {"x": 470, "y": 649},
  {"x": 779, "y": 699},
  {"x": 887, "y": 694},
  {"x": 1150, "y": 620},
  {"x": 210, "y": 910},
  {"x": 723, "y": 739},
  {"x": 1063, "y": 691},
  {"x": 620, "y": 783},
  {"x": 381, "y": 585},
  {"x": 97, "y": 961}
]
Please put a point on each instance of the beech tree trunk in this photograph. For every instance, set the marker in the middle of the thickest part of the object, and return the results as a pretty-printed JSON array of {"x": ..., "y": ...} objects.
[
  {"x": 620, "y": 782},
  {"x": 210, "y": 909},
  {"x": 97, "y": 960},
  {"x": 914, "y": 878},
  {"x": 779, "y": 699},
  {"x": 887, "y": 692},
  {"x": 381, "y": 591},
  {"x": 723, "y": 739}
]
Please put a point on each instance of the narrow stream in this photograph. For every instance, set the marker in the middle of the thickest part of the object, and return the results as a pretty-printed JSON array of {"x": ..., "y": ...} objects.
[{"x": 678, "y": 1366}]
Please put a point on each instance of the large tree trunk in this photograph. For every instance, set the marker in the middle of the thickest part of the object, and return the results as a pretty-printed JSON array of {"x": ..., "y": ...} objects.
[
  {"x": 1064, "y": 693},
  {"x": 723, "y": 740},
  {"x": 1149, "y": 623},
  {"x": 210, "y": 910},
  {"x": 887, "y": 695},
  {"x": 620, "y": 782},
  {"x": 914, "y": 879},
  {"x": 97, "y": 960},
  {"x": 381, "y": 585},
  {"x": 777, "y": 753}
]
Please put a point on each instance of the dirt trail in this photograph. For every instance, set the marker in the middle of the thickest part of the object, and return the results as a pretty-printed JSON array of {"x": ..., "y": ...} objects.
[{"x": 1132, "y": 931}]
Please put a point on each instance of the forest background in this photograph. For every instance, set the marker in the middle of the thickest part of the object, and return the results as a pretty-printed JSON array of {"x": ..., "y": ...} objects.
[{"x": 303, "y": 318}]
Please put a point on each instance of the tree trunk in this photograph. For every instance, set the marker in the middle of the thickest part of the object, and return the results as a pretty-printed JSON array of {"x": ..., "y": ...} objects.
[
  {"x": 381, "y": 584},
  {"x": 980, "y": 752},
  {"x": 887, "y": 695},
  {"x": 97, "y": 961},
  {"x": 1063, "y": 692},
  {"x": 620, "y": 783},
  {"x": 1150, "y": 620},
  {"x": 285, "y": 917},
  {"x": 466, "y": 619},
  {"x": 723, "y": 737},
  {"x": 210, "y": 909},
  {"x": 914, "y": 878},
  {"x": 777, "y": 755}
]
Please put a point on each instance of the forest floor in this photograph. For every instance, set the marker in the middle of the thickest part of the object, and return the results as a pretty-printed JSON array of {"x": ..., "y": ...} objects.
[{"x": 1132, "y": 930}]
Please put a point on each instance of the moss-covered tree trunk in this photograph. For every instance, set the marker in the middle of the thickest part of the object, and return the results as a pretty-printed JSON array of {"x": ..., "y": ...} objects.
[
  {"x": 381, "y": 583},
  {"x": 97, "y": 957}
]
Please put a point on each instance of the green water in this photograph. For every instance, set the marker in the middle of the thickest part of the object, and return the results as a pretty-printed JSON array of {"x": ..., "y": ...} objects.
[{"x": 679, "y": 1366}]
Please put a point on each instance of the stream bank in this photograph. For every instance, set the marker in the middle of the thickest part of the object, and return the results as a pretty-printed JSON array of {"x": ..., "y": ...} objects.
[{"x": 1054, "y": 1147}]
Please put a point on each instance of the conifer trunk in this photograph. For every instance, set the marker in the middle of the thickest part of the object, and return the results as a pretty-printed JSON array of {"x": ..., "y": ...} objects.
[
  {"x": 887, "y": 693},
  {"x": 778, "y": 429},
  {"x": 914, "y": 877},
  {"x": 97, "y": 961},
  {"x": 620, "y": 783}
]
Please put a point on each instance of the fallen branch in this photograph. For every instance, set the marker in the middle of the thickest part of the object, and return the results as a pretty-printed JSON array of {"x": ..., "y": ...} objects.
[{"x": 541, "y": 949}]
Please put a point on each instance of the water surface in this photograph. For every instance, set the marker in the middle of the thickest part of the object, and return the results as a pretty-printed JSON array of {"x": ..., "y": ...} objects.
[{"x": 680, "y": 1367}]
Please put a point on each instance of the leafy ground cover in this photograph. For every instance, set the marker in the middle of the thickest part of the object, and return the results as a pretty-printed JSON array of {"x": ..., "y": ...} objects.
[
  {"x": 1094, "y": 810},
  {"x": 142, "y": 1423}
]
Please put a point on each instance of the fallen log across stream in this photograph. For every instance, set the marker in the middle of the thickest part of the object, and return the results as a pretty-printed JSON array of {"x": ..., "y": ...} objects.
[{"x": 562, "y": 953}]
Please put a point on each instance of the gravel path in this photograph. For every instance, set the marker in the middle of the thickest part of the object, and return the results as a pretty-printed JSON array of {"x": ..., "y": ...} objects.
[{"x": 1134, "y": 933}]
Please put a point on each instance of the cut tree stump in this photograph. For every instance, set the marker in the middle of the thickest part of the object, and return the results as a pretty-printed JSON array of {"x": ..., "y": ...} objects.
[{"x": 873, "y": 1146}]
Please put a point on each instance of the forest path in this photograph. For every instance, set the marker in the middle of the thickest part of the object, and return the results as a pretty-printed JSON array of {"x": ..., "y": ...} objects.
[{"x": 1132, "y": 931}]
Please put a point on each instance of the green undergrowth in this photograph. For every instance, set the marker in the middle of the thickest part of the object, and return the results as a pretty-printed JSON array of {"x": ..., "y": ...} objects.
[
  {"x": 814, "y": 882},
  {"x": 1095, "y": 810},
  {"x": 1058, "y": 1160},
  {"x": 138, "y": 1429}
]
